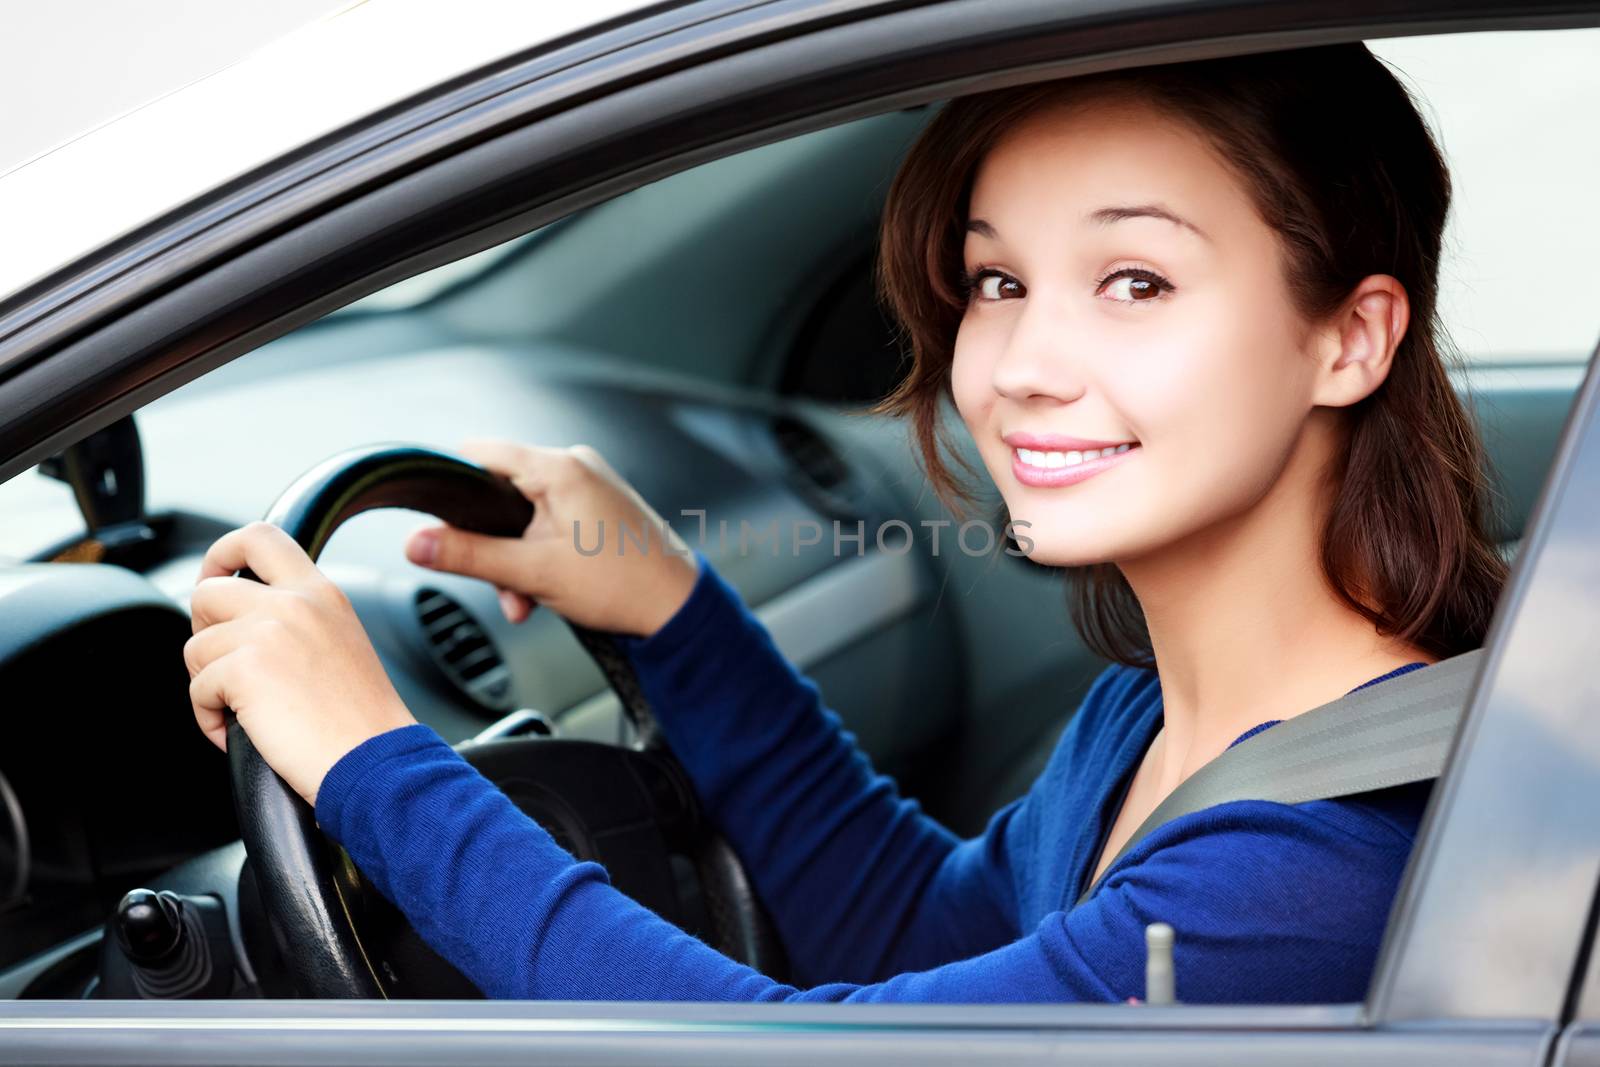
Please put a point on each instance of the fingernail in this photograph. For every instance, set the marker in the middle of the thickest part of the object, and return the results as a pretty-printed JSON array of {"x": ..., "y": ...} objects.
[{"x": 424, "y": 547}]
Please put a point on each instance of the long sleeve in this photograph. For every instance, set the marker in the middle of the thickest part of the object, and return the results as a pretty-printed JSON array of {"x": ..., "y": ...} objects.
[
  {"x": 1271, "y": 902},
  {"x": 860, "y": 882}
]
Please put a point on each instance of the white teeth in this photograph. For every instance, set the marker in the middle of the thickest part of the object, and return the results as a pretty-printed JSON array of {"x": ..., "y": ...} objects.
[{"x": 1050, "y": 460}]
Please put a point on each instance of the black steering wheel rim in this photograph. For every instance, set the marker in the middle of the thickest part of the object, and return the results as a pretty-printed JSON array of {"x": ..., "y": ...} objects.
[{"x": 306, "y": 884}]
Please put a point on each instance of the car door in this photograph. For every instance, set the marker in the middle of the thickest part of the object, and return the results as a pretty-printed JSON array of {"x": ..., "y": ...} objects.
[{"x": 1490, "y": 926}]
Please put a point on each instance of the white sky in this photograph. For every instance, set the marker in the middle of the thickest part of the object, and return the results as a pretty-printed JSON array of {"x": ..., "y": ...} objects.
[
  {"x": 1514, "y": 113},
  {"x": 67, "y": 66}
]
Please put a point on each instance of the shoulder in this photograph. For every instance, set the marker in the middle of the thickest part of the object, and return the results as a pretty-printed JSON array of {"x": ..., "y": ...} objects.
[
  {"x": 1385, "y": 817},
  {"x": 1340, "y": 840},
  {"x": 1270, "y": 902},
  {"x": 1320, "y": 872}
]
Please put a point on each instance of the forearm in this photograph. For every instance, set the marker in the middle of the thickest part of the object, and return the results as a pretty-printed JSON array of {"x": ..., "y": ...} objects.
[
  {"x": 494, "y": 894},
  {"x": 854, "y": 874},
  {"x": 1271, "y": 902}
]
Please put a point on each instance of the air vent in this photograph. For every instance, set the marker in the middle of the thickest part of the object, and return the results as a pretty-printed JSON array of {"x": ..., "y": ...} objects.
[
  {"x": 463, "y": 651},
  {"x": 813, "y": 456}
]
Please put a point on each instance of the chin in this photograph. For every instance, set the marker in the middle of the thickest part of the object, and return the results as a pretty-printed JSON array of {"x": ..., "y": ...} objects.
[
  {"x": 1065, "y": 559},
  {"x": 1078, "y": 534},
  {"x": 1059, "y": 549}
]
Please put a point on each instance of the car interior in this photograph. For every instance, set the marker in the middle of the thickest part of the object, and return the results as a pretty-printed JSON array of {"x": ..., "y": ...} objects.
[{"x": 715, "y": 335}]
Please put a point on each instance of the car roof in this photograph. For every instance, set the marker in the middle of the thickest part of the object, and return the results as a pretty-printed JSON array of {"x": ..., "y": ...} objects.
[{"x": 105, "y": 182}]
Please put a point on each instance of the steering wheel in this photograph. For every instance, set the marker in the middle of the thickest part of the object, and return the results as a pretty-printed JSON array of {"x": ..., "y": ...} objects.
[{"x": 632, "y": 809}]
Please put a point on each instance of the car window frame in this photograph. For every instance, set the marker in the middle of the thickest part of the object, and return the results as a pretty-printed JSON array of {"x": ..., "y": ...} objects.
[
  {"x": 112, "y": 357},
  {"x": 1432, "y": 963}
]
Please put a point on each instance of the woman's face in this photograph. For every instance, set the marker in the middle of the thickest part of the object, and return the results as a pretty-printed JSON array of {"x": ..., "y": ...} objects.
[{"x": 1126, "y": 295}]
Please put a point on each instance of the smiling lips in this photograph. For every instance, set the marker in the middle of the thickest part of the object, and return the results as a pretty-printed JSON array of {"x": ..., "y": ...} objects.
[{"x": 1051, "y": 461}]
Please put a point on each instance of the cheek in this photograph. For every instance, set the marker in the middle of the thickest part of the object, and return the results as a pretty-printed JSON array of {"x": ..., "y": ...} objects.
[
  {"x": 1217, "y": 402},
  {"x": 970, "y": 378},
  {"x": 1224, "y": 384}
]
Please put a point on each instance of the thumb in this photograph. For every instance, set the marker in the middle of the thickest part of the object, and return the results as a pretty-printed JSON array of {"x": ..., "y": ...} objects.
[
  {"x": 500, "y": 560},
  {"x": 515, "y": 605}
]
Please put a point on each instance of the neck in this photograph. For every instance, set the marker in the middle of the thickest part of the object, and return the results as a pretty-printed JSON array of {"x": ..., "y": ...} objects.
[{"x": 1244, "y": 625}]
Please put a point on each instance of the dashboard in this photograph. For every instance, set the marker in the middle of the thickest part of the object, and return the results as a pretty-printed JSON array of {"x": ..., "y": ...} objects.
[{"x": 113, "y": 781}]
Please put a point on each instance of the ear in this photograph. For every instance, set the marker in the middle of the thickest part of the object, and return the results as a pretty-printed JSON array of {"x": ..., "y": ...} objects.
[{"x": 1356, "y": 346}]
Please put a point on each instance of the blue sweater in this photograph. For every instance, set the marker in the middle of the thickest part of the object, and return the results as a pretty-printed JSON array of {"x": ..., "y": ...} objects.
[{"x": 876, "y": 901}]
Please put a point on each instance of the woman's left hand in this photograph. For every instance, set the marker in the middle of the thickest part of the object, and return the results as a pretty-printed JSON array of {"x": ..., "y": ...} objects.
[{"x": 288, "y": 655}]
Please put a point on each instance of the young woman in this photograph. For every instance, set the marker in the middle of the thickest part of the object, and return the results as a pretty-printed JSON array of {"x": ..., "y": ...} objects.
[{"x": 1187, "y": 314}]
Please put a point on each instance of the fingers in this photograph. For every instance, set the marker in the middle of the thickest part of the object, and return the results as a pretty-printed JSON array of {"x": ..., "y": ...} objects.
[
  {"x": 221, "y": 598},
  {"x": 533, "y": 469},
  {"x": 591, "y": 457},
  {"x": 208, "y": 693},
  {"x": 267, "y": 551},
  {"x": 504, "y": 561},
  {"x": 515, "y": 606},
  {"x": 505, "y": 457},
  {"x": 206, "y": 655},
  {"x": 212, "y": 643}
]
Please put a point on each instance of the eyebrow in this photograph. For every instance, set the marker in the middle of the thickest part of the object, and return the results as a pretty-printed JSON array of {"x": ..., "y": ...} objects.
[{"x": 1105, "y": 216}]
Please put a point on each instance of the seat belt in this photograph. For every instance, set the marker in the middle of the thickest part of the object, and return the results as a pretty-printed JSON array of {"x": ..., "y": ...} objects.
[{"x": 1391, "y": 733}]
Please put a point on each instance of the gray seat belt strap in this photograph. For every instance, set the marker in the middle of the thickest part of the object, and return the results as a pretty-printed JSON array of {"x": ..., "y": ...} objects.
[{"x": 1391, "y": 733}]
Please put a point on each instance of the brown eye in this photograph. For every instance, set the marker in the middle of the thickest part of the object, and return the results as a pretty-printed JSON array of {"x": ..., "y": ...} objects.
[
  {"x": 992, "y": 285},
  {"x": 1131, "y": 286}
]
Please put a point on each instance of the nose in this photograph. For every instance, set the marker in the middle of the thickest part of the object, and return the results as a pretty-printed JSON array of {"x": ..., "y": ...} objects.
[{"x": 1039, "y": 358}]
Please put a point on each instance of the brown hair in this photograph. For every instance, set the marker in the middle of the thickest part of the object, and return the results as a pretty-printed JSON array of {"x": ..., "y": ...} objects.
[{"x": 1340, "y": 165}]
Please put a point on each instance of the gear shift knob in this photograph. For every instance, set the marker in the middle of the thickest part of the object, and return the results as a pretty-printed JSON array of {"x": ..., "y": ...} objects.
[{"x": 148, "y": 926}]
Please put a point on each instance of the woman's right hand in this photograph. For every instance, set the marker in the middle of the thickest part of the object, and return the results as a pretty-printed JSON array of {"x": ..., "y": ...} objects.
[{"x": 633, "y": 593}]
